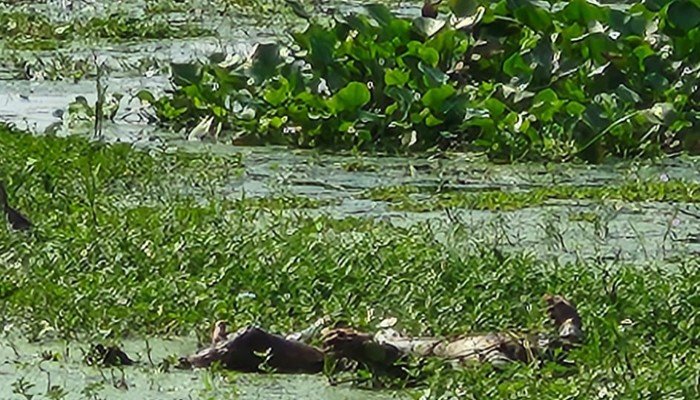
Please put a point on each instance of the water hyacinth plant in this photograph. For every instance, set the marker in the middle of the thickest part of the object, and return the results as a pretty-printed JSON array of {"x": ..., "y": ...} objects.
[{"x": 518, "y": 79}]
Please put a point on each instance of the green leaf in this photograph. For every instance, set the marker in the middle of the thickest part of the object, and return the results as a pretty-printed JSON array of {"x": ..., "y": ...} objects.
[
  {"x": 545, "y": 105},
  {"x": 533, "y": 13},
  {"x": 145, "y": 95},
  {"x": 427, "y": 27},
  {"x": 515, "y": 66},
  {"x": 575, "y": 108},
  {"x": 431, "y": 120},
  {"x": 265, "y": 61},
  {"x": 184, "y": 74},
  {"x": 462, "y": 8},
  {"x": 350, "y": 98},
  {"x": 435, "y": 97},
  {"x": 684, "y": 15},
  {"x": 277, "y": 96},
  {"x": 433, "y": 76},
  {"x": 380, "y": 13},
  {"x": 396, "y": 77},
  {"x": 628, "y": 95}
]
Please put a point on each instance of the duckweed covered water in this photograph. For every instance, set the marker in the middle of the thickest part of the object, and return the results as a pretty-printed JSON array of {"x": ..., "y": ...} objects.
[{"x": 23, "y": 373}]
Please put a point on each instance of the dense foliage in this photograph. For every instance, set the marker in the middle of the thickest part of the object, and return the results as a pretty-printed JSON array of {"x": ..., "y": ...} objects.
[{"x": 515, "y": 78}]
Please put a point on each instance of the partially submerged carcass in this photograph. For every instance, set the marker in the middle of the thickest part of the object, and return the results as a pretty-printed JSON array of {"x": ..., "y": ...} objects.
[{"x": 253, "y": 350}]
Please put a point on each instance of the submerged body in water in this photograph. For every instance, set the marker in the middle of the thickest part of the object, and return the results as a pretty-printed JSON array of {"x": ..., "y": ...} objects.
[{"x": 252, "y": 349}]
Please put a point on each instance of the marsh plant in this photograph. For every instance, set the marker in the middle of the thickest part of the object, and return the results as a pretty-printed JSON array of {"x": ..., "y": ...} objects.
[
  {"x": 30, "y": 30},
  {"x": 518, "y": 80},
  {"x": 124, "y": 243}
]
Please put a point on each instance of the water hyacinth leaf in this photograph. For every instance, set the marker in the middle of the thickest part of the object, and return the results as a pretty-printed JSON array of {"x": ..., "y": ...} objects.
[
  {"x": 683, "y": 15},
  {"x": 320, "y": 43},
  {"x": 426, "y": 54},
  {"x": 495, "y": 107},
  {"x": 584, "y": 12},
  {"x": 660, "y": 113},
  {"x": 403, "y": 98},
  {"x": 574, "y": 108},
  {"x": 427, "y": 27},
  {"x": 462, "y": 8},
  {"x": 657, "y": 81},
  {"x": 278, "y": 95},
  {"x": 533, "y": 13},
  {"x": 380, "y": 13},
  {"x": 515, "y": 65},
  {"x": 432, "y": 76},
  {"x": 145, "y": 96},
  {"x": 628, "y": 95},
  {"x": 350, "y": 98},
  {"x": 277, "y": 122},
  {"x": 396, "y": 77},
  {"x": 265, "y": 61},
  {"x": 369, "y": 117},
  {"x": 545, "y": 105},
  {"x": 435, "y": 97},
  {"x": 656, "y": 5},
  {"x": 432, "y": 121},
  {"x": 184, "y": 74},
  {"x": 363, "y": 135}
]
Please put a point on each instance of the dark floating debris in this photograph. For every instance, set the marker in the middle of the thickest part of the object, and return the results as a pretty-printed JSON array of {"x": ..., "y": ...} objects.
[
  {"x": 15, "y": 218},
  {"x": 430, "y": 9},
  {"x": 111, "y": 356}
]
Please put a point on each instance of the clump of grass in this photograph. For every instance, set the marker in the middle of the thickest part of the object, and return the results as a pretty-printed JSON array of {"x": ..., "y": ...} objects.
[
  {"x": 411, "y": 198},
  {"x": 171, "y": 262},
  {"x": 32, "y": 31}
]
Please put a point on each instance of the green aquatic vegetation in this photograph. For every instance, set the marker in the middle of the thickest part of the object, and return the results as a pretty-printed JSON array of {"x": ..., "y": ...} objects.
[
  {"x": 585, "y": 216},
  {"x": 133, "y": 241},
  {"x": 411, "y": 198},
  {"x": 516, "y": 79},
  {"x": 286, "y": 202},
  {"x": 360, "y": 165},
  {"x": 32, "y": 31}
]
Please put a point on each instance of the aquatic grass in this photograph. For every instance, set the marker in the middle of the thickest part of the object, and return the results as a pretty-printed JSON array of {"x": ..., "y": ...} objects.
[
  {"x": 176, "y": 260},
  {"x": 412, "y": 198},
  {"x": 33, "y": 31}
]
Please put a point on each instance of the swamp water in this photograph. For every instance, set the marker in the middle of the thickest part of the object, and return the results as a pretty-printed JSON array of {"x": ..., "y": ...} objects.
[
  {"x": 144, "y": 381},
  {"x": 639, "y": 232}
]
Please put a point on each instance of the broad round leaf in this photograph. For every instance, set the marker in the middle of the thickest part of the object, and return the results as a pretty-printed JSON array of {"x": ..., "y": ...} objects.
[
  {"x": 435, "y": 97},
  {"x": 684, "y": 15},
  {"x": 396, "y": 77},
  {"x": 350, "y": 98}
]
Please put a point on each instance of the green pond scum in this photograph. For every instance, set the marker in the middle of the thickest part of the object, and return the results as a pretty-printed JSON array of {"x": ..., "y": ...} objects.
[
  {"x": 32, "y": 31},
  {"x": 412, "y": 198}
]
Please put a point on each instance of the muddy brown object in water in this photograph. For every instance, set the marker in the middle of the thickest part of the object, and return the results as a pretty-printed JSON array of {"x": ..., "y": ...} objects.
[
  {"x": 254, "y": 350},
  {"x": 250, "y": 348},
  {"x": 15, "y": 218},
  {"x": 388, "y": 346},
  {"x": 219, "y": 334},
  {"x": 107, "y": 356}
]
